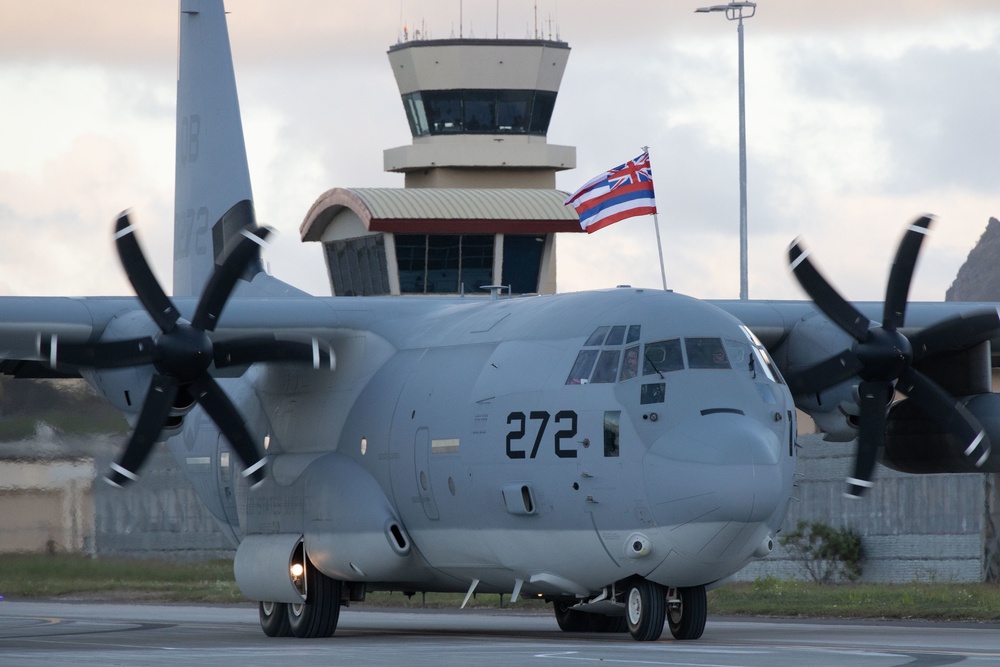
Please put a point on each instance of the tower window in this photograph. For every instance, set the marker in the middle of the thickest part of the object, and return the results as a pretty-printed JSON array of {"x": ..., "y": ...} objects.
[
  {"x": 444, "y": 263},
  {"x": 479, "y": 111}
]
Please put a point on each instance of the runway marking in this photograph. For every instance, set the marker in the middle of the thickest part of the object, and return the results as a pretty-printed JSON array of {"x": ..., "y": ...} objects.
[{"x": 572, "y": 655}]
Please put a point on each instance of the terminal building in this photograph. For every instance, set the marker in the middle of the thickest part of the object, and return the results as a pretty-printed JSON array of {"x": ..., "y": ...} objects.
[{"x": 479, "y": 206}]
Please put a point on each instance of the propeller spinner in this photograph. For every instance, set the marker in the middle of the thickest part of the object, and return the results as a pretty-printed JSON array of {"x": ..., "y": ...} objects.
[
  {"x": 182, "y": 353},
  {"x": 885, "y": 359}
]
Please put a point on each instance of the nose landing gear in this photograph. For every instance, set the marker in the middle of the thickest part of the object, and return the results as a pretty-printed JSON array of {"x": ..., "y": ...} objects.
[
  {"x": 648, "y": 604},
  {"x": 687, "y": 610}
]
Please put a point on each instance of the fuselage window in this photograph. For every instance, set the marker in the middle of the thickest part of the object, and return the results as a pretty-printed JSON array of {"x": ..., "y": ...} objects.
[
  {"x": 607, "y": 366},
  {"x": 631, "y": 366},
  {"x": 706, "y": 353},
  {"x": 662, "y": 357},
  {"x": 652, "y": 393},
  {"x": 612, "y": 419},
  {"x": 582, "y": 367}
]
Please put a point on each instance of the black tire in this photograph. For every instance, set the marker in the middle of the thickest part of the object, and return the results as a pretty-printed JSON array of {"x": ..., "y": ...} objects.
[
  {"x": 645, "y": 610},
  {"x": 274, "y": 619},
  {"x": 687, "y": 619},
  {"x": 318, "y": 616},
  {"x": 570, "y": 620}
]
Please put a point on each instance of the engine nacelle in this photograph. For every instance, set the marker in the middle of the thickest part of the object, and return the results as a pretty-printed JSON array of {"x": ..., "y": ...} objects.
[
  {"x": 835, "y": 409},
  {"x": 271, "y": 568},
  {"x": 915, "y": 444}
]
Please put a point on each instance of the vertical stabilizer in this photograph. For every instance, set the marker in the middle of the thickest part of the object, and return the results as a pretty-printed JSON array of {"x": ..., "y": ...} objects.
[{"x": 211, "y": 170}]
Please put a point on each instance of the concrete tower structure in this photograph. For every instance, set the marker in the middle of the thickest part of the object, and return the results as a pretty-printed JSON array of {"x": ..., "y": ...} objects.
[
  {"x": 479, "y": 207},
  {"x": 479, "y": 112}
]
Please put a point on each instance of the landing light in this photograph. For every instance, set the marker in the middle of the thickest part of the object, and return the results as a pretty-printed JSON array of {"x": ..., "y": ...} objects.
[{"x": 297, "y": 570}]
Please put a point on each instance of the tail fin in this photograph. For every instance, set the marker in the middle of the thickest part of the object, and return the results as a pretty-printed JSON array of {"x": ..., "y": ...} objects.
[{"x": 211, "y": 170}]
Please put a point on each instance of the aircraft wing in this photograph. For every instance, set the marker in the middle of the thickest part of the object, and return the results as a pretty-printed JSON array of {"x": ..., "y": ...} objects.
[{"x": 774, "y": 322}]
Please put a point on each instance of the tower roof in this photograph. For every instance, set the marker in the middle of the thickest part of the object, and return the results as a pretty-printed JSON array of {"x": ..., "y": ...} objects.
[{"x": 444, "y": 211}]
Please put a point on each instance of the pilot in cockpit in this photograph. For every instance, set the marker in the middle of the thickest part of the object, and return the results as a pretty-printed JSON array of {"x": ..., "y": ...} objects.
[{"x": 631, "y": 366}]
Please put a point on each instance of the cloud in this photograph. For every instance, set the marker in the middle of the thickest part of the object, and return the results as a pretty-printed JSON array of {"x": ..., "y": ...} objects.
[{"x": 859, "y": 118}]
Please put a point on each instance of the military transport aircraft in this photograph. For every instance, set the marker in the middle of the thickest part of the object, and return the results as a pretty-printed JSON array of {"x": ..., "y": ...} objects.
[{"x": 615, "y": 452}]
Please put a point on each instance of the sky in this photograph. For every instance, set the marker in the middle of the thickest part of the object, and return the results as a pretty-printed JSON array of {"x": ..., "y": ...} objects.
[{"x": 860, "y": 117}]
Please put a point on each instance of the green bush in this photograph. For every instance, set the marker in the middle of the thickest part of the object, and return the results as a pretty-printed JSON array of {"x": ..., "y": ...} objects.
[{"x": 827, "y": 554}]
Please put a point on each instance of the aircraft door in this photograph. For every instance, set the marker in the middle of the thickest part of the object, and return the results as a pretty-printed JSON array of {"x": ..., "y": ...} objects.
[{"x": 421, "y": 464}]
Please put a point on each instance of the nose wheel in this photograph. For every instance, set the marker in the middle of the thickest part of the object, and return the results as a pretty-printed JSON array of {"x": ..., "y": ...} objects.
[
  {"x": 645, "y": 610},
  {"x": 687, "y": 611}
]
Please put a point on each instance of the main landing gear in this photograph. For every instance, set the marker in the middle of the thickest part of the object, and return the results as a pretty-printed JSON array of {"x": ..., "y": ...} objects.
[
  {"x": 316, "y": 617},
  {"x": 648, "y": 606}
]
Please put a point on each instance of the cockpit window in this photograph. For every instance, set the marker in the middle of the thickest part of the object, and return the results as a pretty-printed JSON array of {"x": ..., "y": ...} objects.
[
  {"x": 582, "y": 367},
  {"x": 662, "y": 357},
  {"x": 762, "y": 358},
  {"x": 706, "y": 353},
  {"x": 607, "y": 366},
  {"x": 616, "y": 336},
  {"x": 740, "y": 356},
  {"x": 597, "y": 338},
  {"x": 630, "y": 368}
]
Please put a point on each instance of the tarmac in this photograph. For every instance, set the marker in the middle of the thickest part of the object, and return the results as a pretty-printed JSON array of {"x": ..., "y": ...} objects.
[{"x": 104, "y": 634}]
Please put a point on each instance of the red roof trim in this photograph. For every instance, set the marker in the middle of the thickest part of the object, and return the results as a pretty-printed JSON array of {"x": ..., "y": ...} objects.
[{"x": 478, "y": 226}]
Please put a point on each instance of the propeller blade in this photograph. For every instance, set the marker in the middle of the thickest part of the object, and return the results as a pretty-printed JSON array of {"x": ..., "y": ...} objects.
[
  {"x": 214, "y": 401},
  {"x": 955, "y": 333},
  {"x": 827, "y": 299},
  {"x": 114, "y": 354},
  {"x": 825, "y": 374},
  {"x": 950, "y": 415},
  {"x": 146, "y": 287},
  {"x": 244, "y": 248},
  {"x": 155, "y": 412},
  {"x": 874, "y": 398},
  {"x": 898, "y": 289},
  {"x": 265, "y": 348}
]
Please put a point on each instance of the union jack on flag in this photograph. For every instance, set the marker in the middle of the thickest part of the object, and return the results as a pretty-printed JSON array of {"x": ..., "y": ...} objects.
[
  {"x": 631, "y": 172},
  {"x": 622, "y": 192}
]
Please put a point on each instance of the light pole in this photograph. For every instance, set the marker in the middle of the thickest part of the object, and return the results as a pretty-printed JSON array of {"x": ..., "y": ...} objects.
[{"x": 735, "y": 12}]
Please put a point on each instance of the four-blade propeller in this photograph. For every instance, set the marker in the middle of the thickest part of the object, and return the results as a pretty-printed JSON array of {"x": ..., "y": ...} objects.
[
  {"x": 885, "y": 359},
  {"x": 183, "y": 352}
]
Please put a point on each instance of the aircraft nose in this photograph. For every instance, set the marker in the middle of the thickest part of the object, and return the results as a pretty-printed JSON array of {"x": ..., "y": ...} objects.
[{"x": 715, "y": 467}]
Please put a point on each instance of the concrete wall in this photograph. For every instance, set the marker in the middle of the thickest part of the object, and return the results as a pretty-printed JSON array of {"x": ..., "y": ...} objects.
[
  {"x": 913, "y": 527},
  {"x": 53, "y": 499},
  {"x": 46, "y": 506}
]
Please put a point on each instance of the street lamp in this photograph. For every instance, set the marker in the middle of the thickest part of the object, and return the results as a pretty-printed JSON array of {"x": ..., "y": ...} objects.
[{"x": 735, "y": 12}]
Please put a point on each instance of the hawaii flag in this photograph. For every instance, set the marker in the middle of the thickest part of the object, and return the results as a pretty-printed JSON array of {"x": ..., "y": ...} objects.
[{"x": 622, "y": 192}]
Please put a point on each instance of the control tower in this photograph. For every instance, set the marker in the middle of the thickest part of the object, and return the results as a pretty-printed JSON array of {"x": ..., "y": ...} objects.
[
  {"x": 479, "y": 207},
  {"x": 479, "y": 112}
]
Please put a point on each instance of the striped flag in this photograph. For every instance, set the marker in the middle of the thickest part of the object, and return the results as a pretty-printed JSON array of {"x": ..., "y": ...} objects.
[{"x": 619, "y": 193}]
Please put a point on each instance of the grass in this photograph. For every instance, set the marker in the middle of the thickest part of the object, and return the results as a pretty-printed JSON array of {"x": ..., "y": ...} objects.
[
  {"x": 68, "y": 576},
  {"x": 73, "y": 577},
  {"x": 929, "y": 601}
]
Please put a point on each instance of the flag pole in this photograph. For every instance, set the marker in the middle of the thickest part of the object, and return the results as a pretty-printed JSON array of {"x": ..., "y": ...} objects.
[{"x": 656, "y": 223}]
